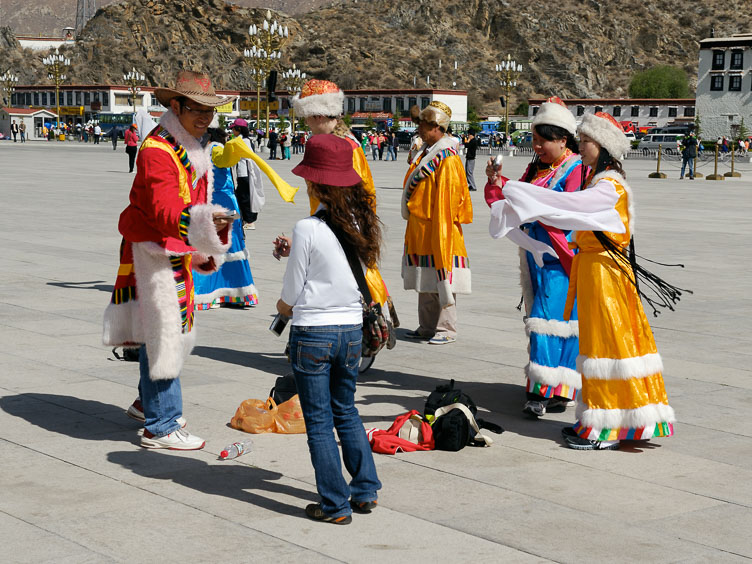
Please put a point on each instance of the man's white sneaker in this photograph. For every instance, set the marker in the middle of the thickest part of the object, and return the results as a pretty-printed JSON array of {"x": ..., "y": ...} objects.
[
  {"x": 177, "y": 440},
  {"x": 136, "y": 411}
]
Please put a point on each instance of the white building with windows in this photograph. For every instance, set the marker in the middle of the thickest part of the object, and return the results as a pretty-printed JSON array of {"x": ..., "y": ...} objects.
[
  {"x": 724, "y": 85},
  {"x": 635, "y": 112}
]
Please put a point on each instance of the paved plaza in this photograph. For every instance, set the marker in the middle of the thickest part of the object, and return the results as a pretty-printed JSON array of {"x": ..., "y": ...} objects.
[{"x": 76, "y": 487}]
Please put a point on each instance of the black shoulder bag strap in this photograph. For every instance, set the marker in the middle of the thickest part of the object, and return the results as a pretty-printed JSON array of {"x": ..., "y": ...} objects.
[{"x": 352, "y": 259}]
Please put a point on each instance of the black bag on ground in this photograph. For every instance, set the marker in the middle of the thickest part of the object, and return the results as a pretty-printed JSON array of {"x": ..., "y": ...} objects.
[
  {"x": 284, "y": 388},
  {"x": 451, "y": 413},
  {"x": 447, "y": 394}
]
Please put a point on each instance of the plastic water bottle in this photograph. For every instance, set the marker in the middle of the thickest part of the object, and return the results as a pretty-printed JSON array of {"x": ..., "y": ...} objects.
[{"x": 236, "y": 449}]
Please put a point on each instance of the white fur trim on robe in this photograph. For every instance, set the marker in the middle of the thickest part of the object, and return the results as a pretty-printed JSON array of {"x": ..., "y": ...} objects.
[
  {"x": 552, "y": 327},
  {"x": 202, "y": 235},
  {"x": 592, "y": 209},
  {"x": 647, "y": 417},
  {"x": 442, "y": 144},
  {"x": 620, "y": 368},
  {"x": 553, "y": 376},
  {"x": 166, "y": 345},
  {"x": 226, "y": 292}
]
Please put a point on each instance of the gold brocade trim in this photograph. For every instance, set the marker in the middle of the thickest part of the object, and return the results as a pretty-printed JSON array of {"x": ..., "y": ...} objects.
[{"x": 183, "y": 190}]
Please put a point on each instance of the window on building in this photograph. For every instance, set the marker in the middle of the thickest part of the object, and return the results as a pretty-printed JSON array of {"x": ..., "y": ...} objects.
[
  {"x": 87, "y": 98},
  {"x": 535, "y": 110},
  {"x": 78, "y": 98},
  {"x": 61, "y": 98},
  {"x": 96, "y": 97},
  {"x": 653, "y": 111},
  {"x": 350, "y": 105},
  {"x": 737, "y": 60},
  {"x": 400, "y": 105},
  {"x": 363, "y": 103},
  {"x": 69, "y": 98},
  {"x": 12, "y": 99},
  {"x": 716, "y": 82},
  {"x": 672, "y": 111},
  {"x": 36, "y": 98},
  {"x": 387, "y": 105},
  {"x": 635, "y": 111},
  {"x": 598, "y": 109},
  {"x": 44, "y": 98},
  {"x": 735, "y": 83},
  {"x": 689, "y": 111},
  {"x": 105, "y": 98},
  {"x": 580, "y": 110},
  {"x": 617, "y": 111},
  {"x": 719, "y": 60},
  {"x": 424, "y": 102}
]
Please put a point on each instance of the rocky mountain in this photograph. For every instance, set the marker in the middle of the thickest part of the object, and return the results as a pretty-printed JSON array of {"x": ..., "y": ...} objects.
[
  {"x": 582, "y": 48},
  {"x": 42, "y": 17}
]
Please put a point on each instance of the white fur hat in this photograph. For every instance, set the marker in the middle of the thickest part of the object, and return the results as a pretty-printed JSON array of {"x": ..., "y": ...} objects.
[
  {"x": 554, "y": 112},
  {"x": 604, "y": 130},
  {"x": 319, "y": 98}
]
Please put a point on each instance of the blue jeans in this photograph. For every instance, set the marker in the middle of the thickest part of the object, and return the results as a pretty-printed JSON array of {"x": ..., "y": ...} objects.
[
  {"x": 162, "y": 400},
  {"x": 691, "y": 162},
  {"x": 325, "y": 362}
]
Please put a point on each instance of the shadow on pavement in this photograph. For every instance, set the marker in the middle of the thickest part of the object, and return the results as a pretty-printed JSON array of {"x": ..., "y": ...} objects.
[
  {"x": 67, "y": 415},
  {"x": 274, "y": 363},
  {"x": 234, "y": 481},
  {"x": 92, "y": 285}
]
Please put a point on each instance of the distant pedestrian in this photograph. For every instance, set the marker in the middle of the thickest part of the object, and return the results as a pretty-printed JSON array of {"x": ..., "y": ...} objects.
[
  {"x": 272, "y": 144},
  {"x": 14, "y": 130},
  {"x": 97, "y": 134},
  {"x": 22, "y": 131},
  {"x": 689, "y": 152},
  {"x": 286, "y": 142},
  {"x": 471, "y": 147},
  {"x": 131, "y": 145},
  {"x": 114, "y": 134}
]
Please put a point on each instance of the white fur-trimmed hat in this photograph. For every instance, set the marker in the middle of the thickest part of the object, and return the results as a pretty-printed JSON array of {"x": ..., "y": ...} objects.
[
  {"x": 604, "y": 130},
  {"x": 554, "y": 112},
  {"x": 319, "y": 98}
]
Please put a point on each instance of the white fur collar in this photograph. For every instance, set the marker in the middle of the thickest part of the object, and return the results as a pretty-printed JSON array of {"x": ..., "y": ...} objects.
[
  {"x": 199, "y": 157},
  {"x": 613, "y": 175}
]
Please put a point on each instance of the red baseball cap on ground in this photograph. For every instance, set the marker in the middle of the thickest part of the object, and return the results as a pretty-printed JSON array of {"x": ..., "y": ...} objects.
[{"x": 328, "y": 159}]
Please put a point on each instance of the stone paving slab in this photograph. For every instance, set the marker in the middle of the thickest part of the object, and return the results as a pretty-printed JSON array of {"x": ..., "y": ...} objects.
[{"x": 78, "y": 488}]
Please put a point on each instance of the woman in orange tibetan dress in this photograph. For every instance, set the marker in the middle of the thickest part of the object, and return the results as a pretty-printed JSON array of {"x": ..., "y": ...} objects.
[{"x": 623, "y": 394}]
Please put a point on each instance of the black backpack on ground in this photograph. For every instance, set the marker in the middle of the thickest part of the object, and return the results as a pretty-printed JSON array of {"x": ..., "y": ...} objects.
[
  {"x": 452, "y": 416},
  {"x": 284, "y": 388}
]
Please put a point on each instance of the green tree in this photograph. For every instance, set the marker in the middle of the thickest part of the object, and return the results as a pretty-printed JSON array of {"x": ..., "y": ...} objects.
[
  {"x": 395, "y": 123},
  {"x": 222, "y": 121},
  {"x": 522, "y": 109},
  {"x": 302, "y": 125},
  {"x": 282, "y": 123},
  {"x": 663, "y": 81},
  {"x": 370, "y": 124},
  {"x": 347, "y": 118},
  {"x": 743, "y": 131},
  {"x": 472, "y": 118},
  {"x": 697, "y": 125}
]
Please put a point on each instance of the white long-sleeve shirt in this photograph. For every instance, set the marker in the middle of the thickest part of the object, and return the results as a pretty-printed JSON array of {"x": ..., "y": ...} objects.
[{"x": 318, "y": 282}]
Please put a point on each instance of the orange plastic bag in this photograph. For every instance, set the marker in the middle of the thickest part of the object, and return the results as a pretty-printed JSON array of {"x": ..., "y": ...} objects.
[{"x": 256, "y": 416}]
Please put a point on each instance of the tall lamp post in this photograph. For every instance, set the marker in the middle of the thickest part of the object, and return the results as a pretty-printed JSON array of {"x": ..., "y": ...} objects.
[
  {"x": 294, "y": 81},
  {"x": 267, "y": 42},
  {"x": 259, "y": 76},
  {"x": 8, "y": 81},
  {"x": 508, "y": 71},
  {"x": 134, "y": 80},
  {"x": 56, "y": 64}
]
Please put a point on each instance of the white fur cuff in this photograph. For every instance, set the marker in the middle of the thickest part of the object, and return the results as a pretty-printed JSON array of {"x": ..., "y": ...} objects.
[
  {"x": 641, "y": 417},
  {"x": 552, "y": 327},
  {"x": 620, "y": 368},
  {"x": 446, "y": 298},
  {"x": 202, "y": 235},
  {"x": 553, "y": 376}
]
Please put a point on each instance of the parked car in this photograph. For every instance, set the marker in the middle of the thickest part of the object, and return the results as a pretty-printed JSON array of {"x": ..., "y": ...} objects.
[
  {"x": 483, "y": 138},
  {"x": 668, "y": 143}
]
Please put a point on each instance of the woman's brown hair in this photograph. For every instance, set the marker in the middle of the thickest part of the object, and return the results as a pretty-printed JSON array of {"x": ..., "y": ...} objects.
[{"x": 350, "y": 211}]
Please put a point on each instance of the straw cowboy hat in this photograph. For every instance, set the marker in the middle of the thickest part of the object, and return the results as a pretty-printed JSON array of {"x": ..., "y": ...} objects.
[{"x": 195, "y": 86}]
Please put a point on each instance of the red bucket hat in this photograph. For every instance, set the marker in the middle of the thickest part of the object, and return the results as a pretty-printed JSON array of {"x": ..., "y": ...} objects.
[{"x": 328, "y": 159}]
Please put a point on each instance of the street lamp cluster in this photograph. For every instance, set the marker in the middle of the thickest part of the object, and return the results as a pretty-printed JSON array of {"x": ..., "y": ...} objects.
[
  {"x": 508, "y": 72},
  {"x": 294, "y": 81},
  {"x": 8, "y": 81},
  {"x": 134, "y": 79},
  {"x": 267, "y": 42},
  {"x": 56, "y": 64}
]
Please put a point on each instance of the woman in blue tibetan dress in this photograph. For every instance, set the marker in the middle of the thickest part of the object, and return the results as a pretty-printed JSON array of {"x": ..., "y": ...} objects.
[
  {"x": 232, "y": 283},
  {"x": 552, "y": 377}
]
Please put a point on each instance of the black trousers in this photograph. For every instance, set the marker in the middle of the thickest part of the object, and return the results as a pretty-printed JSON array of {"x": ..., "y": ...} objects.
[
  {"x": 131, "y": 150},
  {"x": 243, "y": 194}
]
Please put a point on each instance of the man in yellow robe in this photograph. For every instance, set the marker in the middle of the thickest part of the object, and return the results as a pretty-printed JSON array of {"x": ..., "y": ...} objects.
[{"x": 435, "y": 203}]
